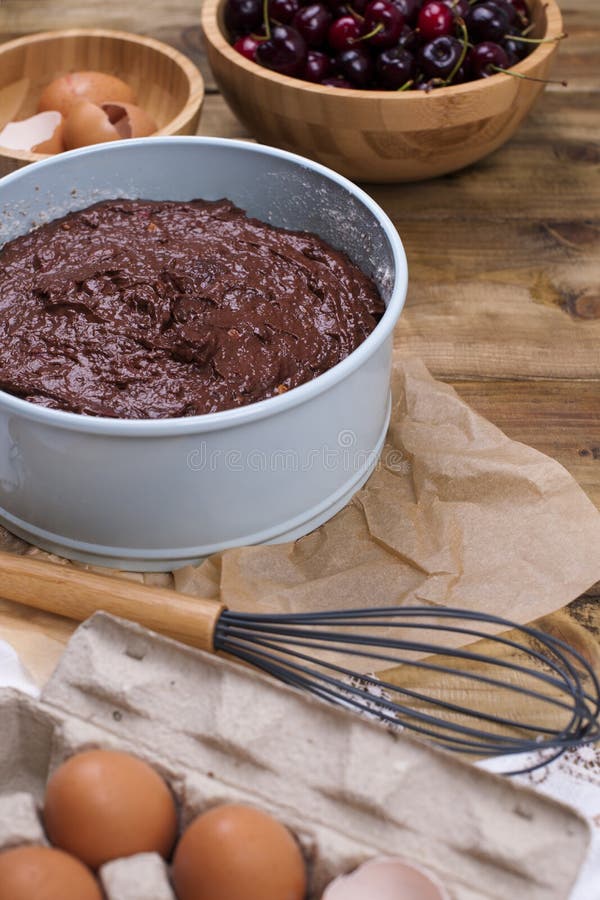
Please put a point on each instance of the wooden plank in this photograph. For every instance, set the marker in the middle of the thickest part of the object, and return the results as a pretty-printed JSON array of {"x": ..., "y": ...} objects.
[
  {"x": 506, "y": 300},
  {"x": 22, "y": 16},
  {"x": 506, "y": 186},
  {"x": 486, "y": 330},
  {"x": 561, "y": 419},
  {"x": 218, "y": 120}
]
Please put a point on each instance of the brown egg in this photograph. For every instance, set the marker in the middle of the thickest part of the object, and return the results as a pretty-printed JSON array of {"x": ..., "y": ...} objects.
[
  {"x": 42, "y": 133},
  {"x": 130, "y": 121},
  {"x": 63, "y": 93},
  {"x": 102, "y": 804},
  {"x": 90, "y": 124},
  {"x": 43, "y": 873},
  {"x": 234, "y": 852}
]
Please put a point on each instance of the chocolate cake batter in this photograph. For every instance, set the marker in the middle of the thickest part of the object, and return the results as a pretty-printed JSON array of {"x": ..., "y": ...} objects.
[{"x": 145, "y": 310}]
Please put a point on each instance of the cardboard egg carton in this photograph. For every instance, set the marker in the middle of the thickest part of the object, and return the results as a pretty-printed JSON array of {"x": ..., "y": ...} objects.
[{"x": 346, "y": 786}]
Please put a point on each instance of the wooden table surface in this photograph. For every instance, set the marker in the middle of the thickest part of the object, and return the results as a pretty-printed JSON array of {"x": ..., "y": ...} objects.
[{"x": 504, "y": 259}]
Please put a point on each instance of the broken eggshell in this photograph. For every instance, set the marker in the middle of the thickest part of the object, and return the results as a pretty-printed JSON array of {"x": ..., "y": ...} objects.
[
  {"x": 42, "y": 133},
  {"x": 386, "y": 878},
  {"x": 112, "y": 121},
  {"x": 65, "y": 92}
]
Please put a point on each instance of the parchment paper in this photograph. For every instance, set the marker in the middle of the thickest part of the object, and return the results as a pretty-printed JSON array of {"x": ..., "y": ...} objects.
[{"x": 456, "y": 514}]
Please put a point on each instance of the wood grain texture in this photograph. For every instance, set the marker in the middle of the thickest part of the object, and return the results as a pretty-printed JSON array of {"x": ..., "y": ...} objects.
[
  {"x": 23, "y": 16},
  {"x": 504, "y": 267},
  {"x": 559, "y": 418},
  {"x": 218, "y": 119},
  {"x": 381, "y": 136}
]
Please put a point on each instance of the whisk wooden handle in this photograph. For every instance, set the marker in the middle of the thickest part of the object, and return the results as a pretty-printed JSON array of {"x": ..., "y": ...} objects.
[{"x": 77, "y": 594}]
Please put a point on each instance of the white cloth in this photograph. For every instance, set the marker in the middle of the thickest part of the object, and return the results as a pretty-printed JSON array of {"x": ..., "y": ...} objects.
[{"x": 13, "y": 673}]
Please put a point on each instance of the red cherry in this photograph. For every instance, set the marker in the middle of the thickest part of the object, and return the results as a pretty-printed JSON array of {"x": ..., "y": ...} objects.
[
  {"x": 384, "y": 22},
  {"x": 247, "y": 46},
  {"x": 457, "y": 7},
  {"x": 486, "y": 58},
  {"x": 338, "y": 9},
  {"x": 313, "y": 22},
  {"x": 338, "y": 43},
  {"x": 409, "y": 9},
  {"x": 435, "y": 20},
  {"x": 318, "y": 66},
  {"x": 283, "y": 11},
  {"x": 343, "y": 33},
  {"x": 520, "y": 7},
  {"x": 284, "y": 52}
]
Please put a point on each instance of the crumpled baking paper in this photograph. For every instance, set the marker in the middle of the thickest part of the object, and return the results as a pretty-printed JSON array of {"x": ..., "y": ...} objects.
[{"x": 456, "y": 514}]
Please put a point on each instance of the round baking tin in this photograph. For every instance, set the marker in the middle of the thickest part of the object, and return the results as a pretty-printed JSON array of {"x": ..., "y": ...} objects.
[{"x": 153, "y": 495}]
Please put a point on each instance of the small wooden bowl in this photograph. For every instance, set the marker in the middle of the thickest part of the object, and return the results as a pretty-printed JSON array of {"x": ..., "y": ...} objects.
[
  {"x": 378, "y": 136},
  {"x": 168, "y": 86}
]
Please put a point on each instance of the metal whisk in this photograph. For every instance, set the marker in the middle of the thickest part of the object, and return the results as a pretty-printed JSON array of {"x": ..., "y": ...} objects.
[
  {"x": 524, "y": 691},
  {"x": 555, "y": 690}
]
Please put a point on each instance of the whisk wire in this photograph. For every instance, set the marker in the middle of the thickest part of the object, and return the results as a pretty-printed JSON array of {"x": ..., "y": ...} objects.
[
  {"x": 276, "y": 644},
  {"x": 388, "y": 686},
  {"x": 354, "y": 697},
  {"x": 375, "y": 707},
  {"x": 261, "y": 623},
  {"x": 303, "y": 638}
]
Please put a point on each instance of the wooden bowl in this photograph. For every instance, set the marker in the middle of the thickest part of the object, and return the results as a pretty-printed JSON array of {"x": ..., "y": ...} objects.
[
  {"x": 378, "y": 136},
  {"x": 168, "y": 86}
]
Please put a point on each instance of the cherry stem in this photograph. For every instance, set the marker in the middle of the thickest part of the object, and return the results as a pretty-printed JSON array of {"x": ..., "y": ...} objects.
[
  {"x": 526, "y": 77},
  {"x": 465, "y": 36},
  {"x": 355, "y": 15},
  {"x": 527, "y": 40},
  {"x": 266, "y": 22},
  {"x": 407, "y": 84},
  {"x": 365, "y": 37}
]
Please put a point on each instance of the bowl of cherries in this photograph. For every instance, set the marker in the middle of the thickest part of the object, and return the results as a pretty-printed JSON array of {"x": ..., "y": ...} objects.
[{"x": 382, "y": 90}]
